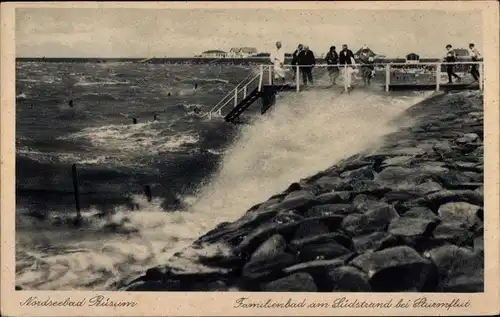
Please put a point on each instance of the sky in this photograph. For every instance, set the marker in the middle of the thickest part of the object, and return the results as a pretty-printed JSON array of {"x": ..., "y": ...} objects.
[{"x": 120, "y": 32}]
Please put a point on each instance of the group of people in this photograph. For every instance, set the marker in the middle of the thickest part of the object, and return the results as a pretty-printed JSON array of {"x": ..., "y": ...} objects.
[
  {"x": 451, "y": 57},
  {"x": 305, "y": 59}
]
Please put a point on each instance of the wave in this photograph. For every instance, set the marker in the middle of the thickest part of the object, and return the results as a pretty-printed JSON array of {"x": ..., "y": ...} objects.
[{"x": 305, "y": 133}]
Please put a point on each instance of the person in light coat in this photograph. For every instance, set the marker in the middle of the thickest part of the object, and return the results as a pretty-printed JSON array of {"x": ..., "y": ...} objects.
[
  {"x": 278, "y": 60},
  {"x": 476, "y": 57}
]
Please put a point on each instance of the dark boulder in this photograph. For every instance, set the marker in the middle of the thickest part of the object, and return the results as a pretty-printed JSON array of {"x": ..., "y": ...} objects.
[
  {"x": 330, "y": 209},
  {"x": 374, "y": 242},
  {"x": 347, "y": 279},
  {"x": 422, "y": 213},
  {"x": 410, "y": 226},
  {"x": 267, "y": 268},
  {"x": 454, "y": 232},
  {"x": 273, "y": 246},
  {"x": 459, "y": 211},
  {"x": 460, "y": 269},
  {"x": 395, "y": 269},
  {"x": 334, "y": 197},
  {"x": 298, "y": 282}
]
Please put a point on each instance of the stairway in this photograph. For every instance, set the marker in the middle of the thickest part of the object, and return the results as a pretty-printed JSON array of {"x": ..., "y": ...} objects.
[{"x": 242, "y": 106}]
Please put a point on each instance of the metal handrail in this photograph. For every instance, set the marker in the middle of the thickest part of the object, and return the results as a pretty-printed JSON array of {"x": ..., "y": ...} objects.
[{"x": 233, "y": 95}]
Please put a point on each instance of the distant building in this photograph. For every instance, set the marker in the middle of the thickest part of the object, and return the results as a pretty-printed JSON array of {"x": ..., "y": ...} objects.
[
  {"x": 242, "y": 52},
  {"x": 412, "y": 58},
  {"x": 214, "y": 54}
]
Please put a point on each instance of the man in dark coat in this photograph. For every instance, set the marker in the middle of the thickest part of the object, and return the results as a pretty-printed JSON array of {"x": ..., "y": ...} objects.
[
  {"x": 295, "y": 58},
  {"x": 307, "y": 61},
  {"x": 346, "y": 59},
  {"x": 450, "y": 57}
]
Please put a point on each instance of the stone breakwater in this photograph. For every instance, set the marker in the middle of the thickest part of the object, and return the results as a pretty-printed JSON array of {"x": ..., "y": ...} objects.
[{"x": 405, "y": 217}]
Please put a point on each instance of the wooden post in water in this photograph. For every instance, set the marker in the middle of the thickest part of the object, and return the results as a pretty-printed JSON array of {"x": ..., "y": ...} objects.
[
  {"x": 77, "y": 194},
  {"x": 147, "y": 192},
  {"x": 297, "y": 78},
  {"x": 438, "y": 75},
  {"x": 387, "y": 77}
]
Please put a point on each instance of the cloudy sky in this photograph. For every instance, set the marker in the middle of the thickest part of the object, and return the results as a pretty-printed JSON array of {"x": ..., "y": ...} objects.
[{"x": 114, "y": 32}]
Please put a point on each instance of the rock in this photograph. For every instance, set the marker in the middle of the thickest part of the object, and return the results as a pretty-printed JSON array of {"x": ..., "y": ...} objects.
[
  {"x": 325, "y": 251},
  {"x": 479, "y": 244},
  {"x": 400, "y": 195},
  {"x": 360, "y": 201},
  {"x": 422, "y": 213},
  {"x": 297, "y": 199},
  {"x": 334, "y": 197},
  {"x": 18, "y": 288},
  {"x": 467, "y": 138},
  {"x": 435, "y": 200},
  {"x": 348, "y": 279},
  {"x": 327, "y": 183},
  {"x": 310, "y": 228},
  {"x": 330, "y": 209},
  {"x": 322, "y": 239},
  {"x": 401, "y": 178},
  {"x": 397, "y": 161},
  {"x": 262, "y": 269},
  {"x": 395, "y": 269},
  {"x": 288, "y": 216},
  {"x": 453, "y": 232},
  {"x": 409, "y": 227},
  {"x": 368, "y": 187},
  {"x": 376, "y": 218},
  {"x": 217, "y": 286},
  {"x": 454, "y": 179},
  {"x": 273, "y": 246},
  {"x": 365, "y": 172},
  {"x": 374, "y": 242},
  {"x": 460, "y": 269},
  {"x": 316, "y": 267},
  {"x": 298, "y": 282},
  {"x": 153, "y": 286},
  {"x": 459, "y": 211},
  {"x": 256, "y": 237},
  {"x": 427, "y": 187}
]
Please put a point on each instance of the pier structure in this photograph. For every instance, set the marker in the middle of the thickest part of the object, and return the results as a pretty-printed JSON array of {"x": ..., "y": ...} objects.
[{"x": 388, "y": 77}]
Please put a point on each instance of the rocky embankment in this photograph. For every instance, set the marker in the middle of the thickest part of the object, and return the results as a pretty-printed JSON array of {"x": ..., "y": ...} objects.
[{"x": 406, "y": 217}]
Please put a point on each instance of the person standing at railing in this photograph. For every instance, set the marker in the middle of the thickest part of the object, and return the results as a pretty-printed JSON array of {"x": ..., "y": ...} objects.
[
  {"x": 306, "y": 61},
  {"x": 332, "y": 58},
  {"x": 295, "y": 58},
  {"x": 476, "y": 57},
  {"x": 451, "y": 57},
  {"x": 278, "y": 60},
  {"x": 346, "y": 58},
  {"x": 366, "y": 65}
]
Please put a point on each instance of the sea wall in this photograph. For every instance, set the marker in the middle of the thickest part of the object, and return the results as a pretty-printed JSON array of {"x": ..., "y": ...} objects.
[{"x": 405, "y": 217}]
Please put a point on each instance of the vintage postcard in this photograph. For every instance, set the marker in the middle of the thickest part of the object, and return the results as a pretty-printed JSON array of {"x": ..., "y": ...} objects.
[{"x": 247, "y": 158}]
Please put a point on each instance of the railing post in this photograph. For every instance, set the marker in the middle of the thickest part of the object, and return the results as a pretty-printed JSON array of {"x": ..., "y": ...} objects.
[
  {"x": 235, "y": 96},
  {"x": 481, "y": 76},
  {"x": 345, "y": 77},
  {"x": 244, "y": 92},
  {"x": 387, "y": 77},
  {"x": 261, "y": 75},
  {"x": 438, "y": 75},
  {"x": 270, "y": 75},
  {"x": 297, "y": 78}
]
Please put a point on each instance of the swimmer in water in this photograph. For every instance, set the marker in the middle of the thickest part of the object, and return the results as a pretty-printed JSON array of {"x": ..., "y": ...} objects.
[
  {"x": 70, "y": 103},
  {"x": 195, "y": 86}
]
